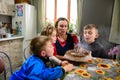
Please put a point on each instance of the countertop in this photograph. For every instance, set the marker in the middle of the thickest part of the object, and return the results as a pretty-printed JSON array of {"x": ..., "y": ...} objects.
[{"x": 12, "y": 38}]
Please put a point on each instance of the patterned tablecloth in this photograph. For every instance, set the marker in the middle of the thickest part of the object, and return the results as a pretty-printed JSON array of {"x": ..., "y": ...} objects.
[{"x": 96, "y": 69}]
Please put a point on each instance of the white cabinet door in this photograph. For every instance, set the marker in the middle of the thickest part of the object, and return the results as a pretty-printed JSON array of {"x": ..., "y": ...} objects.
[
  {"x": 7, "y": 7},
  {"x": 3, "y": 7},
  {"x": 10, "y": 7},
  {"x": 11, "y": 2}
]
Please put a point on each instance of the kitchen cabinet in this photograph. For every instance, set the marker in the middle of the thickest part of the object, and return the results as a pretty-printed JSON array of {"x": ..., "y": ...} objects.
[
  {"x": 16, "y": 52},
  {"x": 7, "y": 7},
  {"x": 14, "y": 49},
  {"x": 4, "y": 45}
]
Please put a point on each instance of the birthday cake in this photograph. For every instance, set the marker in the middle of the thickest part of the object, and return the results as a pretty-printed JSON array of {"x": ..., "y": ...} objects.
[{"x": 78, "y": 56}]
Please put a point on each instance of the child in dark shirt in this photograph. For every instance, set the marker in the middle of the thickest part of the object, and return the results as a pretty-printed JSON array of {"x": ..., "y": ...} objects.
[
  {"x": 89, "y": 41},
  {"x": 35, "y": 67}
]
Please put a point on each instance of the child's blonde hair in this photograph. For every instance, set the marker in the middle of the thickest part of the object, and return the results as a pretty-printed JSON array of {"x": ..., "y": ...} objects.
[
  {"x": 91, "y": 26},
  {"x": 38, "y": 44},
  {"x": 48, "y": 30}
]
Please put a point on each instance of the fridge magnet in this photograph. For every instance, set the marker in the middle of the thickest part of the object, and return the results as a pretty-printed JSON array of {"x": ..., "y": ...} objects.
[{"x": 19, "y": 9}]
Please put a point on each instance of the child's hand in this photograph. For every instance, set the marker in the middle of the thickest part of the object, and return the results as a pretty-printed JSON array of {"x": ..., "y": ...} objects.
[
  {"x": 68, "y": 67},
  {"x": 63, "y": 63}
]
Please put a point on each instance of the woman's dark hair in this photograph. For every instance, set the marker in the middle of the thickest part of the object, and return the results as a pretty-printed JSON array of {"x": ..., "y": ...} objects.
[{"x": 61, "y": 19}]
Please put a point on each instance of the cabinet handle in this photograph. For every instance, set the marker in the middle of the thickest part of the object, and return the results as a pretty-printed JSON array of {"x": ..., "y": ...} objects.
[{"x": 13, "y": 11}]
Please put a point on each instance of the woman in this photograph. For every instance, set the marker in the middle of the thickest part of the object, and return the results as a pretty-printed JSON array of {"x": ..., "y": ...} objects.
[{"x": 65, "y": 41}]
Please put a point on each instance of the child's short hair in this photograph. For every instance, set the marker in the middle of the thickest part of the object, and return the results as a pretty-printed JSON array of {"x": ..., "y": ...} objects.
[
  {"x": 48, "y": 30},
  {"x": 38, "y": 44},
  {"x": 90, "y": 26}
]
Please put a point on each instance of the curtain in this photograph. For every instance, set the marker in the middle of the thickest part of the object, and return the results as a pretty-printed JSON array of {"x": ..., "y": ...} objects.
[
  {"x": 79, "y": 15},
  {"x": 40, "y": 6},
  {"x": 115, "y": 27}
]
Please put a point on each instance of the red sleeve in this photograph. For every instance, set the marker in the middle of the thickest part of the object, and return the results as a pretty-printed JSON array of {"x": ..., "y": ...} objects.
[
  {"x": 55, "y": 51},
  {"x": 75, "y": 38}
]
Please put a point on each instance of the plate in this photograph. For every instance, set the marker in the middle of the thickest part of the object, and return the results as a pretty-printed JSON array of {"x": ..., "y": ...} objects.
[{"x": 78, "y": 57}]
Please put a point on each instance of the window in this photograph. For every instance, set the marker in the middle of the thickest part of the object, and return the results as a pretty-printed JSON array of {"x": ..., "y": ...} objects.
[
  {"x": 50, "y": 10},
  {"x": 62, "y": 8}
]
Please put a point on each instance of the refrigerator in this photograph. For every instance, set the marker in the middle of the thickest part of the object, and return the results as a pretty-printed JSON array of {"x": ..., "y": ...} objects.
[{"x": 24, "y": 23}]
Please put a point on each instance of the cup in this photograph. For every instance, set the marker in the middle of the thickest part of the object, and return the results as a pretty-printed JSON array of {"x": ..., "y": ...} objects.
[{"x": 9, "y": 35}]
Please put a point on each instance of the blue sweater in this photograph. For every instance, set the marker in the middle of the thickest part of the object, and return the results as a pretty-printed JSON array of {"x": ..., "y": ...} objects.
[{"x": 35, "y": 69}]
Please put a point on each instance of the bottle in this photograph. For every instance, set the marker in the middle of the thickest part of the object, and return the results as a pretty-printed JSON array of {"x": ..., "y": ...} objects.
[
  {"x": 15, "y": 29},
  {"x": 20, "y": 28}
]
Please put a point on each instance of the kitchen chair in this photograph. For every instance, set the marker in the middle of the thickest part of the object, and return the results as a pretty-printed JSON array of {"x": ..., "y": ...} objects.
[
  {"x": 26, "y": 52},
  {"x": 3, "y": 66}
]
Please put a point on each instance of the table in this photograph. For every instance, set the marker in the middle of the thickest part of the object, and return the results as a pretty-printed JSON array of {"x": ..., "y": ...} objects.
[{"x": 95, "y": 71}]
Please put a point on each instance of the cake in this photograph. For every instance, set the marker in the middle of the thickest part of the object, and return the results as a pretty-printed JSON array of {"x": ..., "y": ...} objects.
[{"x": 78, "y": 56}]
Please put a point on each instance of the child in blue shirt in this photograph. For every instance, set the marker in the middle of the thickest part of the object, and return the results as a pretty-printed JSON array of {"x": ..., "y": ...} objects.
[{"x": 35, "y": 67}]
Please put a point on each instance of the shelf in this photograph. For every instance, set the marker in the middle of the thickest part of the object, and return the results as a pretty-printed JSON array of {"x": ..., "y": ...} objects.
[{"x": 16, "y": 37}]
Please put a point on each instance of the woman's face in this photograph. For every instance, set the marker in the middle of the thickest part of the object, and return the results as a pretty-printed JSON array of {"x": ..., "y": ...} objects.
[
  {"x": 53, "y": 36},
  {"x": 62, "y": 27}
]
